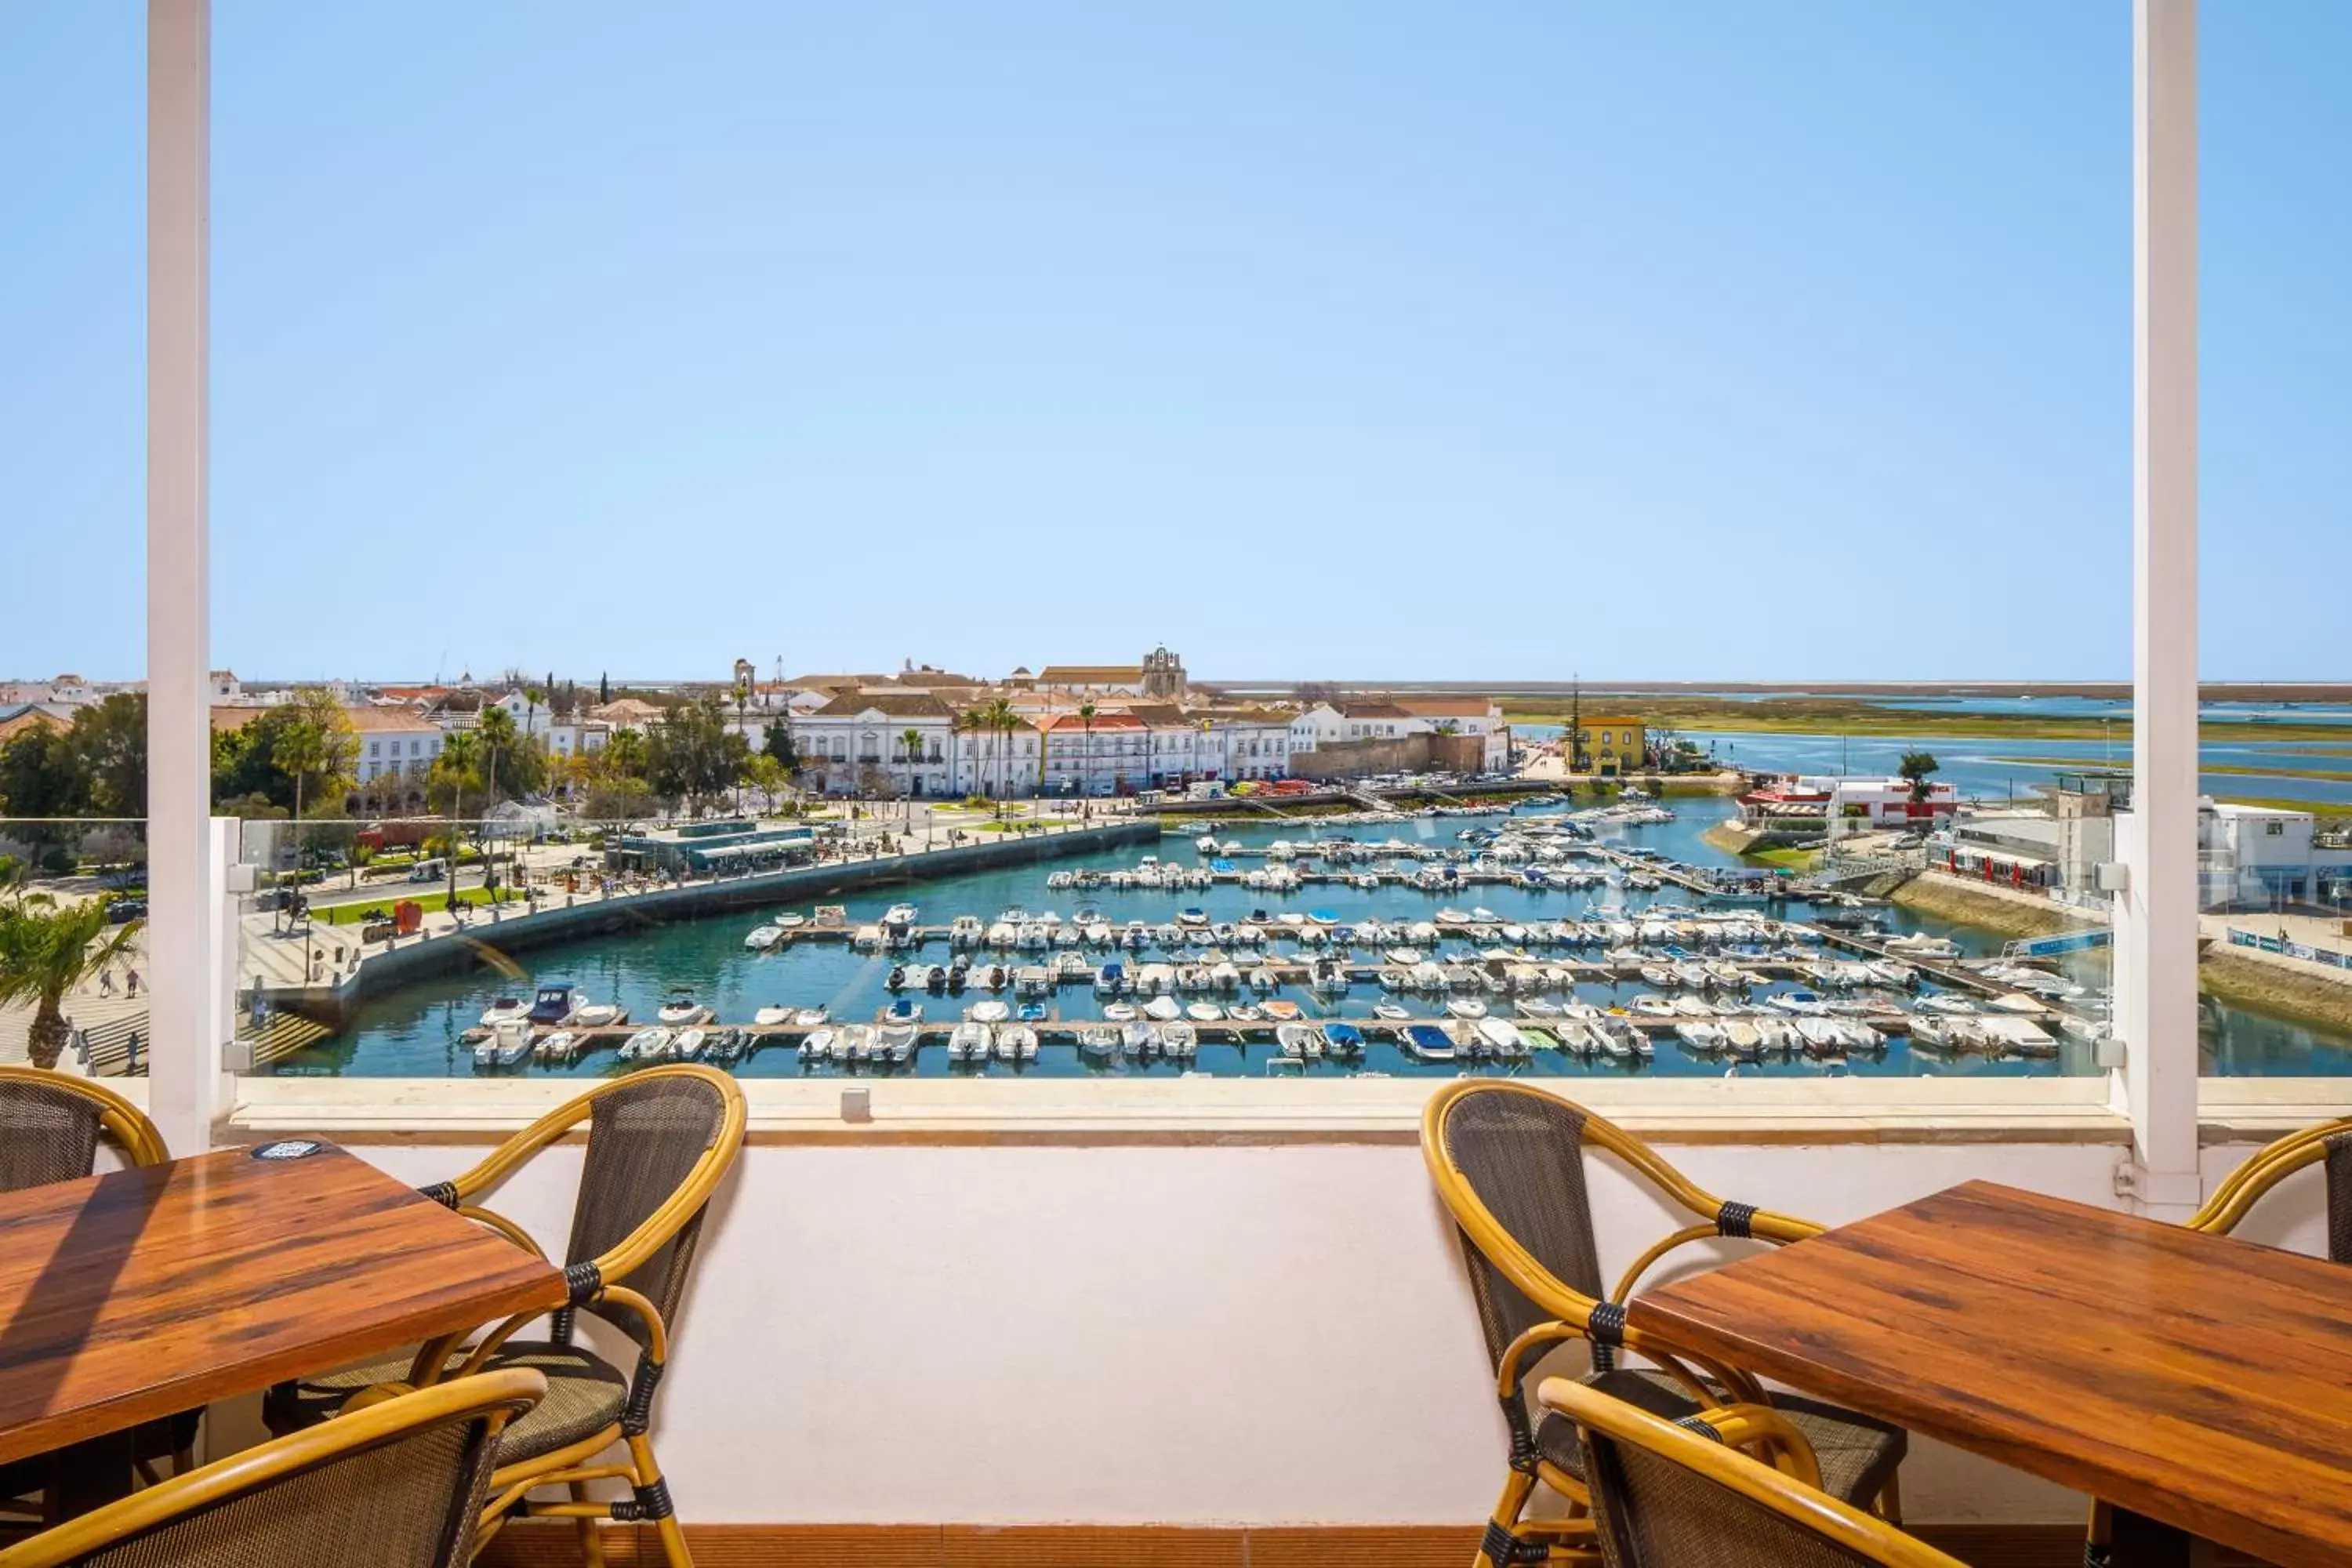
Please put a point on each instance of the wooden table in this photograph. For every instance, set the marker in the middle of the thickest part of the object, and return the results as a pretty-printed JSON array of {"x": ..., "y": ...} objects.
[
  {"x": 144, "y": 1292},
  {"x": 2202, "y": 1383}
]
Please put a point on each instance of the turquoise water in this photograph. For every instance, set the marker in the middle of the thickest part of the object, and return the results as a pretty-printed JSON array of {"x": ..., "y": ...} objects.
[
  {"x": 2000, "y": 768},
  {"x": 416, "y": 1032}
]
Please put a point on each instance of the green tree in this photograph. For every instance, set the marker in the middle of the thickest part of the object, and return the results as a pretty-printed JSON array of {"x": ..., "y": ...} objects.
[
  {"x": 778, "y": 743},
  {"x": 46, "y": 950},
  {"x": 693, "y": 755},
  {"x": 497, "y": 729},
  {"x": 1915, "y": 766},
  {"x": 109, "y": 744}
]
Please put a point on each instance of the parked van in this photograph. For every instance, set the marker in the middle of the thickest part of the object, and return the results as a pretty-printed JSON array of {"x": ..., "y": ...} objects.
[{"x": 431, "y": 870}]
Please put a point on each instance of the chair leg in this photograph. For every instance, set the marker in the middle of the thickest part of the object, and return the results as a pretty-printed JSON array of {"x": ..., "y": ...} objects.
[
  {"x": 1501, "y": 1547},
  {"x": 592, "y": 1544},
  {"x": 1890, "y": 1500},
  {"x": 650, "y": 1487}
]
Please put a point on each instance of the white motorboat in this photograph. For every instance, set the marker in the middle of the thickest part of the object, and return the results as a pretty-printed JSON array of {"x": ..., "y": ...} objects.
[
  {"x": 1120, "y": 1012},
  {"x": 772, "y": 1017},
  {"x": 895, "y": 1044},
  {"x": 1164, "y": 1009},
  {"x": 509, "y": 1046},
  {"x": 969, "y": 1042},
  {"x": 562, "y": 1046},
  {"x": 1016, "y": 1043},
  {"x": 988, "y": 1012},
  {"x": 1467, "y": 1008},
  {"x": 506, "y": 1009},
  {"x": 759, "y": 939},
  {"x": 1204, "y": 1012},
  {"x": 682, "y": 1009},
  {"x": 1390, "y": 1012},
  {"x": 598, "y": 1016},
  {"x": 646, "y": 1045},
  {"x": 817, "y": 1045},
  {"x": 1502, "y": 1037},
  {"x": 810, "y": 1018},
  {"x": 686, "y": 1046},
  {"x": 853, "y": 1043}
]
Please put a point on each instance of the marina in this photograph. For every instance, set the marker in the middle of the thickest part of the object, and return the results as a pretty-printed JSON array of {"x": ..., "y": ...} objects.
[{"x": 1543, "y": 940}]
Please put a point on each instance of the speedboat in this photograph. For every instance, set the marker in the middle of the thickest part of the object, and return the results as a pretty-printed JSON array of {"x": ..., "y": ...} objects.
[
  {"x": 682, "y": 1009},
  {"x": 894, "y": 1044},
  {"x": 772, "y": 1017},
  {"x": 509, "y": 1044},
  {"x": 1428, "y": 1042},
  {"x": 988, "y": 1012},
  {"x": 1179, "y": 1041},
  {"x": 969, "y": 1042},
  {"x": 562, "y": 1046},
  {"x": 725, "y": 1045},
  {"x": 1467, "y": 1008},
  {"x": 1204, "y": 1012},
  {"x": 905, "y": 1010},
  {"x": 1243, "y": 1013},
  {"x": 1343, "y": 1039},
  {"x": 1164, "y": 1009},
  {"x": 1390, "y": 1012},
  {"x": 1098, "y": 1041},
  {"x": 1298, "y": 1041},
  {"x": 555, "y": 1002},
  {"x": 1281, "y": 1012},
  {"x": 598, "y": 1016},
  {"x": 817, "y": 1046},
  {"x": 853, "y": 1043},
  {"x": 809, "y": 1017},
  {"x": 686, "y": 1044},
  {"x": 759, "y": 939},
  {"x": 646, "y": 1045},
  {"x": 1016, "y": 1043},
  {"x": 505, "y": 1010},
  {"x": 1502, "y": 1037},
  {"x": 1120, "y": 1012}
]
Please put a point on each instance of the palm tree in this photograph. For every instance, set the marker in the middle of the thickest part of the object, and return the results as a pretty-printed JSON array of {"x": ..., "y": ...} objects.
[
  {"x": 1003, "y": 720},
  {"x": 45, "y": 952},
  {"x": 1087, "y": 721}
]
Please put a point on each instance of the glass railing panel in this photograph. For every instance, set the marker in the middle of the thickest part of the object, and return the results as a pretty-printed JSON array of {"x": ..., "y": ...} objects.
[{"x": 73, "y": 942}]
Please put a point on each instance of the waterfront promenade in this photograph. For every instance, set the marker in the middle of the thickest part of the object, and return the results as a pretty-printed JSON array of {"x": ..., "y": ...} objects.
[{"x": 314, "y": 966}]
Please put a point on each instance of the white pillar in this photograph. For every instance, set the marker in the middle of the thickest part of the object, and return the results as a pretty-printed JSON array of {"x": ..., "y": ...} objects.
[
  {"x": 2156, "y": 915},
  {"x": 183, "y": 1065}
]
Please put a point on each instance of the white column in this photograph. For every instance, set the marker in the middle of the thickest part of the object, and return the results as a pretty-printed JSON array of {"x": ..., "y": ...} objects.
[
  {"x": 183, "y": 1061},
  {"x": 2156, "y": 915}
]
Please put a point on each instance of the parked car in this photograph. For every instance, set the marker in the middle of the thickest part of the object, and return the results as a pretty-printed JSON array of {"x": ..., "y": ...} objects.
[{"x": 123, "y": 911}]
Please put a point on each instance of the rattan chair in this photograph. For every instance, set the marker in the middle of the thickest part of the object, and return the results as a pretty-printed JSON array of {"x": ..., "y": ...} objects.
[
  {"x": 398, "y": 1485},
  {"x": 51, "y": 1125},
  {"x": 1688, "y": 1494},
  {"x": 658, "y": 1142},
  {"x": 1508, "y": 1162}
]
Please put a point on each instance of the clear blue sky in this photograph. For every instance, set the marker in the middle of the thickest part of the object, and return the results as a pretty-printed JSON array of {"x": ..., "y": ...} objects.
[{"x": 1678, "y": 341}]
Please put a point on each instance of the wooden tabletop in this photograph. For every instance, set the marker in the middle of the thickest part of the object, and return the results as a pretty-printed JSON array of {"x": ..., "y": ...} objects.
[
  {"x": 2199, "y": 1381},
  {"x": 144, "y": 1292}
]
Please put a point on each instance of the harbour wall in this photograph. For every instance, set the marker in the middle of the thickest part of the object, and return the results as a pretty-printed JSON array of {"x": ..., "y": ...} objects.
[
  {"x": 487, "y": 940},
  {"x": 1395, "y": 754}
]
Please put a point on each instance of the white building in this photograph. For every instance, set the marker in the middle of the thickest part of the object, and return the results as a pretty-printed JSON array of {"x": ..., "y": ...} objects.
[
  {"x": 396, "y": 753},
  {"x": 895, "y": 743},
  {"x": 1110, "y": 753}
]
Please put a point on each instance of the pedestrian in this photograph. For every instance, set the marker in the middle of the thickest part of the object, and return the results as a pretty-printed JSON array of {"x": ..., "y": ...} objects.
[
  {"x": 106, "y": 981},
  {"x": 133, "y": 1065},
  {"x": 132, "y": 976}
]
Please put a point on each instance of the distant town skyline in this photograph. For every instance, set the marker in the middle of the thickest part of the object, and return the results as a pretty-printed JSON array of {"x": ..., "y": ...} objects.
[{"x": 1371, "y": 342}]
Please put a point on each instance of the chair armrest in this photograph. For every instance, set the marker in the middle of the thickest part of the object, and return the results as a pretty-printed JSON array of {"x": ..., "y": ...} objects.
[{"x": 1744, "y": 1221}]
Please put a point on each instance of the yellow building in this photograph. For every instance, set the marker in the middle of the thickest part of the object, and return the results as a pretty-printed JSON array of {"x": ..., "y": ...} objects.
[{"x": 1609, "y": 746}]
